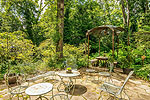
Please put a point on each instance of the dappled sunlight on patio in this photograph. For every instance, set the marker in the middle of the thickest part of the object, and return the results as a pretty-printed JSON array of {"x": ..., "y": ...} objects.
[{"x": 85, "y": 89}]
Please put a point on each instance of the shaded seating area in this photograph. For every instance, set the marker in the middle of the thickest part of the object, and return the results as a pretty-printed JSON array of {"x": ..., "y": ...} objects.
[
  {"x": 102, "y": 31},
  {"x": 103, "y": 61},
  {"x": 69, "y": 86},
  {"x": 82, "y": 90}
]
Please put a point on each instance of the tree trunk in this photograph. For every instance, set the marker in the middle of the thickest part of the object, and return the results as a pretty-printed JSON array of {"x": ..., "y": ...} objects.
[
  {"x": 128, "y": 17},
  {"x": 60, "y": 27},
  {"x": 147, "y": 8},
  {"x": 99, "y": 46},
  {"x": 123, "y": 12}
]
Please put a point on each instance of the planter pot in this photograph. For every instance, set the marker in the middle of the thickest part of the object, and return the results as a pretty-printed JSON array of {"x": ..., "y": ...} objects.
[
  {"x": 12, "y": 79},
  {"x": 69, "y": 71},
  {"x": 127, "y": 70}
]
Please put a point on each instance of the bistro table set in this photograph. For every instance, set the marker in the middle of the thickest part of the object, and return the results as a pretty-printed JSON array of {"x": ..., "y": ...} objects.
[
  {"x": 68, "y": 81},
  {"x": 41, "y": 89}
]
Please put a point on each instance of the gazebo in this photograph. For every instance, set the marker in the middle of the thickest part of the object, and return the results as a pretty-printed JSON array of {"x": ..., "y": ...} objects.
[{"x": 101, "y": 31}]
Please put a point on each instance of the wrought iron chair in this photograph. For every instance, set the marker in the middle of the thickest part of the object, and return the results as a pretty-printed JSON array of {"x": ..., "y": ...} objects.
[
  {"x": 16, "y": 90},
  {"x": 59, "y": 97},
  {"x": 90, "y": 74},
  {"x": 114, "y": 90},
  {"x": 71, "y": 63},
  {"x": 107, "y": 75}
]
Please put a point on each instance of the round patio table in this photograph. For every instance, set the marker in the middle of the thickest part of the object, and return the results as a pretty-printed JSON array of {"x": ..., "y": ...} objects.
[
  {"x": 39, "y": 90},
  {"x": 68, "y": 85},
  {"x": 64, "y": 74}
]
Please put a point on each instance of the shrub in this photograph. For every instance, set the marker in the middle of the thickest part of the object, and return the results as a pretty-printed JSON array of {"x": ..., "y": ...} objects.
[
  {"x": 72, "y": 54},
  {"x": 19, "y": 49},
  {"x": 143, "y": 72}
]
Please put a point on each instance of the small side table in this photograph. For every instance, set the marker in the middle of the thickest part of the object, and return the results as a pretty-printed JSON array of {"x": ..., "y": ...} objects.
[
  {"x": 104, "y": 59},
  {"x": 94, "y": 62},
  {"x": 39, "y": 90}
]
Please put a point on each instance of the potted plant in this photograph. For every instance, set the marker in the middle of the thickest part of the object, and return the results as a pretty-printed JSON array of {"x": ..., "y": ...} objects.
[
  {"x": 125, "y": 64},
  {"x": 11, "y": 78},
  {"x": 125, "y": 58},
  {"x": 69, "y": 70}
]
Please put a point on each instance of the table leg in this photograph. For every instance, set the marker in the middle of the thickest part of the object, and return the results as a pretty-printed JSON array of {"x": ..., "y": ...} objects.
[
  {"x": 62, "y": 83},
  {"x": 72, "y": 85},
  {"x": 67, "y": 86},
  {"x": 40, "y": 98}
]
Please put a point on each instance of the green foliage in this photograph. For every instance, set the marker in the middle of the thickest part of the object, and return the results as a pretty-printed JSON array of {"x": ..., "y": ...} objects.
[
  {"x": 125, "y": 57},
  {"x": 144, "y": 72},
  {"x": 76, "y": 54},
  {"x": 111, "y": 59},
  {"x": 30, "y": 27},
  {"x": 142, "y": 39},
  {"x": 24, "y": 15},
  {"x": 81, "y": 16},
  {"x": 19, "y": 50},
  {"x": 48, "y": 53}
]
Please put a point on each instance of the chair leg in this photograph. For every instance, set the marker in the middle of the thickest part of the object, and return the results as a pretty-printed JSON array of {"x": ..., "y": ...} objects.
[
  {"x": 126, "y": 95},
  {"x": 18, "y": 96},
  {"x": 29, "y": 97},
  {"x": 22, "y": 96},
  {"x": 11, "y": 96},
  {"x": 100, "y": 97}
]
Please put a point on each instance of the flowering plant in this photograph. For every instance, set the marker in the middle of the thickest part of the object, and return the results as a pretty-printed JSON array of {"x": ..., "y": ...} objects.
[
  {"x": 69, "y": 68},
  {"x": 143, "y": 57}
]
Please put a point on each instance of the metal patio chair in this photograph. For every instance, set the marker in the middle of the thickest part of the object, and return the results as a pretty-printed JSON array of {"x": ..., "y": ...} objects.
[
  {"x": 59, "y": 97},
  {"x": 114, "y": 90},
  {"x": 107, "y": 75},
  {"x": 17, "y": 90},
  {"x": 71, "y": 63}
]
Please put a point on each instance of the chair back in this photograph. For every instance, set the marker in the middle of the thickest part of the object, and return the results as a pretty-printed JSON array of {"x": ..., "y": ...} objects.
[
  {"x": 127, "y": 78},
  {"x": 14, "y": 79},
  {"x": 10, "y": 79},
  {"x": 111, "y": 65},
  {"x": 59, "y": 97},
  {"x": 71, "y": 63}
]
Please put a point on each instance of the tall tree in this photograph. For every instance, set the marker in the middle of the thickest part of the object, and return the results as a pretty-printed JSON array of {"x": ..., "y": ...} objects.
[
  {"x": 126, "y": 15},
  {"x": 29, "y": 13},
  {"x": 60, "y": 26}
]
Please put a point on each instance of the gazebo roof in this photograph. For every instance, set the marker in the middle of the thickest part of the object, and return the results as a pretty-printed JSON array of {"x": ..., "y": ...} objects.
[{"x": 99, "y": 29}]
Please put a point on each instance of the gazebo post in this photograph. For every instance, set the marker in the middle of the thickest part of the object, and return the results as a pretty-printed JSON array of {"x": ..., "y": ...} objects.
[
  {"x": 117, "y": 45},
  {"x": 113, "y": 44},
  {"x": 99, "y": 46},
  {"x": 88, "y": 49}
]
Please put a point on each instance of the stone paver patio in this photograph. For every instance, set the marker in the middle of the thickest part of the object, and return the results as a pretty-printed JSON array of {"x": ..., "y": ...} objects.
[{"x": 136, "y": 89}]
